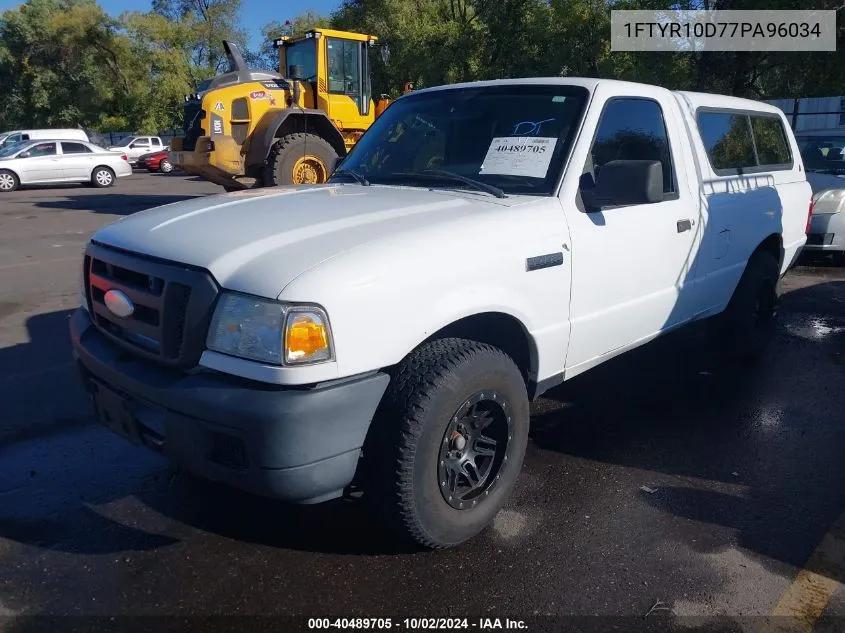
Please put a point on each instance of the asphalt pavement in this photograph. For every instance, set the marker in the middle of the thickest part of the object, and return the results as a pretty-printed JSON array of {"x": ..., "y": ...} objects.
[{"x": 660, "y": 490}]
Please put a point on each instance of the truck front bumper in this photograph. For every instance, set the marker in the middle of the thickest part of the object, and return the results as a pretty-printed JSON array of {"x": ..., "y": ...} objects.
[{"x": 299, "y": 444}]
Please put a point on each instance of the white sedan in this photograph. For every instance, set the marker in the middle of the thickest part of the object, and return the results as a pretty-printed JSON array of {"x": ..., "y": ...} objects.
[{"x": 41, "y": 162}]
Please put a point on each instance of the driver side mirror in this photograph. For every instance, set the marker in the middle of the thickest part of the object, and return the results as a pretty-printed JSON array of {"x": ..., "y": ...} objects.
[
  {"x": 25, "y": 154},
  {"x": 623, "y": 183}
]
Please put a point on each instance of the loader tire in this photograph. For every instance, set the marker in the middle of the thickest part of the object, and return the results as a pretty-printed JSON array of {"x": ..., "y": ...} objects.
[{"x": 299, "y": 159}]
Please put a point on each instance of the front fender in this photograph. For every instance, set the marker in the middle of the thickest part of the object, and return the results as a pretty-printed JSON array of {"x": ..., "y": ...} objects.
[
  {"x": 289, "y": 121},
  {"x": 378, "y": 318}
]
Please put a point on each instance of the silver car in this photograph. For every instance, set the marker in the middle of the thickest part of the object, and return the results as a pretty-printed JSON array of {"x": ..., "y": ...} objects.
[
  {"x": 824, "y": 160},
  {"x": 51, "y": 161}
]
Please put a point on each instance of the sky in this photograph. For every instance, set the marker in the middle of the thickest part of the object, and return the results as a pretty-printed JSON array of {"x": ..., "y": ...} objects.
[{"x": 256, "y": 13}]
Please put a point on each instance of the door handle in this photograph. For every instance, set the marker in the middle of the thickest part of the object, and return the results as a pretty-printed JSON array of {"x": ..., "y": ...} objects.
[{"x": 685, "y": 225}]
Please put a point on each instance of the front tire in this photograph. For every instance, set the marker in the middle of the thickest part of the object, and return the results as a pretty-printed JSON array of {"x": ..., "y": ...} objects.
[
  {"x": 747, "y": 325},
  {"x": 165, "y": 166},
  {"x": 299, "y": 159},
  {"x": 448, "y": 442},
  {"x": 8, "y": 181},
  {"x": 102, "y": 177}
]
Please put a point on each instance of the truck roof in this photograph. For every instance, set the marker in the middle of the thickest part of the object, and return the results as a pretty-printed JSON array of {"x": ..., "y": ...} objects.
[
  {"x": 585, "y": 82},
  {"x": 708, "y": 100},
  {"x": 691, "y": 99}
]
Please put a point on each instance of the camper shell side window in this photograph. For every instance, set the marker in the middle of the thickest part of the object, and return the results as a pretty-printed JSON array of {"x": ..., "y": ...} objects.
[{"x": 743, "y": 141}]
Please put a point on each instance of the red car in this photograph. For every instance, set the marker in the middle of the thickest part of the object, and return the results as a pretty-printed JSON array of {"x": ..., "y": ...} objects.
[{"x": 156, "y": 161}]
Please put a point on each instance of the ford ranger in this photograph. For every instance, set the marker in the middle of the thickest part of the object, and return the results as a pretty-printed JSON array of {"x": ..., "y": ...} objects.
[{"x": 481, "y": 243}]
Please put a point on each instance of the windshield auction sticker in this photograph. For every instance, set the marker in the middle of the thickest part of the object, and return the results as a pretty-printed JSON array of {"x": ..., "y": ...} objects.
[{"x": 519, "y": 156}]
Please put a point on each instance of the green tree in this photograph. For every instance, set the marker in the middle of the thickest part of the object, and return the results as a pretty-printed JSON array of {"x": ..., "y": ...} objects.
[
  {"x": 62, "y": 63},
  {"x": 267, "y": 56},
  {"x": 163, "y": 68},
  {"x": 208, "y": 23}
]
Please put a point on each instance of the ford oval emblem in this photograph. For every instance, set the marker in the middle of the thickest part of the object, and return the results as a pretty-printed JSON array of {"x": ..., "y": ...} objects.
[{"x": 118, "y": 303}]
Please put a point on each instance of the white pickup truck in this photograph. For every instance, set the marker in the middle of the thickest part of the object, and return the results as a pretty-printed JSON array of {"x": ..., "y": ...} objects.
[
  {"x": 136, "y": 146},
  {"x": 481, "y": 243}
]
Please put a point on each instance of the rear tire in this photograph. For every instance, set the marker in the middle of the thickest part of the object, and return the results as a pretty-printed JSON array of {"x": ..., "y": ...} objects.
[
  {"x": 447, "y": 443},
  {"x": 298, "y": 159},
  {"x": 102, "y": 177},
  {"x": 747, "y": 325},
  {"x": 8, "y": 181},
  {"x": 165, "y": 166}
]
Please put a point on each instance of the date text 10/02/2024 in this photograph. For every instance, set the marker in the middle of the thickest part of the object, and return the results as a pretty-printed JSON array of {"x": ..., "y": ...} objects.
[{"x": 416, "y": 624}]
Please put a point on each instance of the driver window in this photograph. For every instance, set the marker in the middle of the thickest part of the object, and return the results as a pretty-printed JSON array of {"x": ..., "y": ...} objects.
[
  {"x": 344, "y": 68},
  {"x": 631, "y": 128},
  {"x": 42, "y": 149}
]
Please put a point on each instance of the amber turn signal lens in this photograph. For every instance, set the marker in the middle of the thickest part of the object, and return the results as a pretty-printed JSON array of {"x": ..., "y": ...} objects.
[{"x": 306, "y": 338}]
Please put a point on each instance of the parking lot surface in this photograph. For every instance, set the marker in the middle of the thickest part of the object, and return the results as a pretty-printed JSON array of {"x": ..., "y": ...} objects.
[{"x": 662, "y": 484}]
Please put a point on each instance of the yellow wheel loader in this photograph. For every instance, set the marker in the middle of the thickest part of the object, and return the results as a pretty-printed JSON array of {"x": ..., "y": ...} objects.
[{"x": 252, "y": 128}]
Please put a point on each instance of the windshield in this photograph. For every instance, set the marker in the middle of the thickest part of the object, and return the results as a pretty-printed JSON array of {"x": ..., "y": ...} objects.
[
  {"x": 125, "y": 142},
  {"x": 304, "y": 55},
  {"x": 12, "y": 139},
  {"x": 11, "y": 149},
  {"x": 823, "y": 153},
  {"x": 513, "y": 137}
]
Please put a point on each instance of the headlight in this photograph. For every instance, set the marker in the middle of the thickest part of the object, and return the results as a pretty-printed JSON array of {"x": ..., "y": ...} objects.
[
  {"x": 269, "y": 331},
  {"x": 830, "y": 201}
]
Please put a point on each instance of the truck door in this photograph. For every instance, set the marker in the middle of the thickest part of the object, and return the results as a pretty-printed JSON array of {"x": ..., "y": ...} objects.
[
  {"x": 348, "y": 81},
  {"x": 632, "y": 265},
  {"x": 139, "y": 147}
]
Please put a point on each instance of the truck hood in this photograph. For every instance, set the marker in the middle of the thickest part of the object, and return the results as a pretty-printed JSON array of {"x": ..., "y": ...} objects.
[{"x": 259, "y": 240}]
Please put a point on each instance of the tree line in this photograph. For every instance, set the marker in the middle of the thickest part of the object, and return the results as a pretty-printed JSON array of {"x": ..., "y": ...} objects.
[{"x": 69, "y": 63}]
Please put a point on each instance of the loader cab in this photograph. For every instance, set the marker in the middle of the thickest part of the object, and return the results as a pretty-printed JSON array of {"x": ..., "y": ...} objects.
[{"x": 335, "y": 67}]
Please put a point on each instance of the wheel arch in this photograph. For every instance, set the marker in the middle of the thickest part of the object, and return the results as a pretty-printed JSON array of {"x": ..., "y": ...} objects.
[
  {"x": 13, "y": 172},
  {"x": 278, "y": 123},
  {"x": 772, "y": 244},
  {"x": 503, "y": 331}
]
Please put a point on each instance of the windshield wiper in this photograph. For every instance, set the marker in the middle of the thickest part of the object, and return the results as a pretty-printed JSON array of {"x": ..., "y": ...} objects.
[
  {"x": 360, "y": 179},
  {"x": 448, "y": 175}
]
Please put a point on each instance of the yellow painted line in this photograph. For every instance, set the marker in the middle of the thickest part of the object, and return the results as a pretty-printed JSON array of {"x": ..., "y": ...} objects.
[{"x": 804, "y": 602}]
